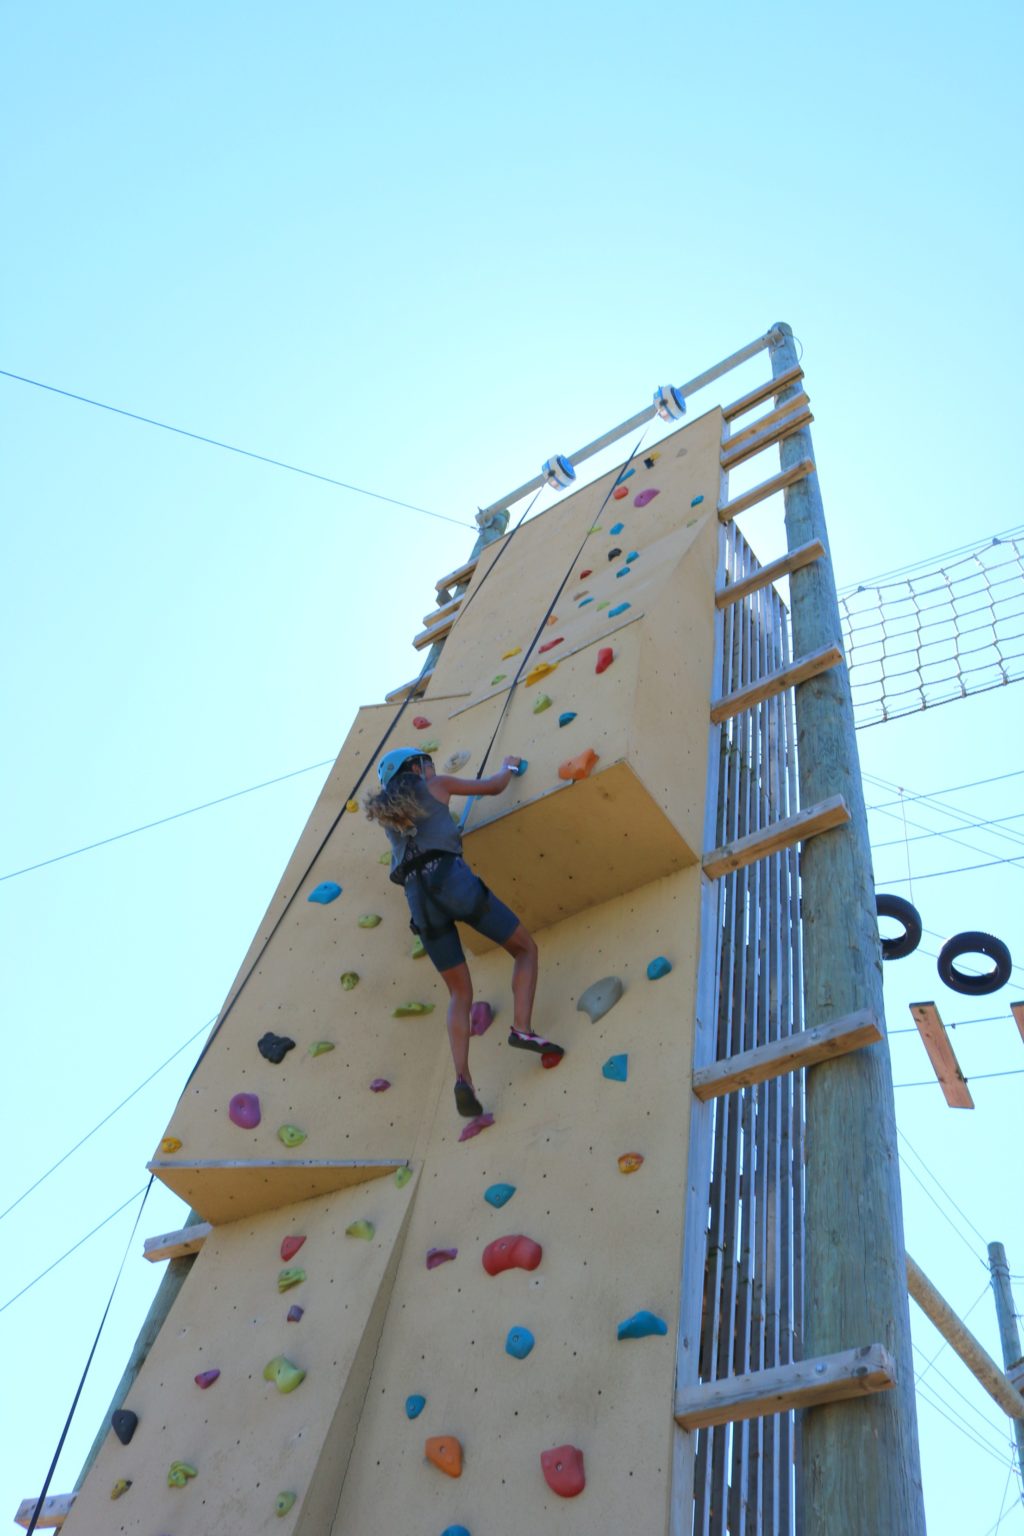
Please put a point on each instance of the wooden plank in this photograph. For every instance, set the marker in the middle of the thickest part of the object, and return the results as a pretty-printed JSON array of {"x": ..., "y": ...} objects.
[
  {"x": 765, "y": 489},
  {"x": 941, "y": 1055},
  {"x": 802, "y": 1384},
  {"x": 231, "y": 1189},
  {"x": 785, "y": 427},
  {"x": 779, "y": 834},
  {"x": 54, "y": 1512},
  {"x": 768, "y": 574},
  {"x": 437, "y": 632},
  {"x": 456, "y": 578},
  {"x": 787, "y": 1054},
  {"x": 176, "y": 1245},
  {"x": 960, "y": 1338},
  {"x": 762, "y": 392},
  {"x": 775, "y": 682},
  {"x": 445, "y": 611},
  {"x": 737, "y": 440},
  {"x": 411, "y": 690},
  {"x": 1017, "y": 1009}
]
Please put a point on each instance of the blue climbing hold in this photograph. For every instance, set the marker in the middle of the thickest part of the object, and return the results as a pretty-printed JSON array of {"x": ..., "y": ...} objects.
[
  {"x": 499, "y": 1195},
  {"x": 455, "y": 1530},
  {"x": 327, "y": 891},
  {"x": 523, "y": 765},
  {"x": 623, "y": 572},
  {"x": 617, "y": 529},
  {"x": 696, "y": 501},
  {"x": 584, "y": 601},
  {"x": 414, "y": 1405},
  {"x": 616, "y": 1068},
  {"x": 625, "y": 475},
  {"x": 564, "y": 719},
  {"x": 519, "y": 1343},
  {"x": 634, "y": 554},
  {"x": 613, "y": 613},
  {"x": 658, "y": 968},
  {"x": 642, "y": 1325}
]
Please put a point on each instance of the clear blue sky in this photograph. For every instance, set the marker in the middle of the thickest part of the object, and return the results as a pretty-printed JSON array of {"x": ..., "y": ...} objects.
[{"x": 421, "y": 249}]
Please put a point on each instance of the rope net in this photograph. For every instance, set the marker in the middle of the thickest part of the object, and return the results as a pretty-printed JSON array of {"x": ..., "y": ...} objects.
[{"x": 937, "y": 634}]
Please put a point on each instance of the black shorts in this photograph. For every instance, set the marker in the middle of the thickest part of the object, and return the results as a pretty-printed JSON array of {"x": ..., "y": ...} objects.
[{"x": 443, "y": 891}]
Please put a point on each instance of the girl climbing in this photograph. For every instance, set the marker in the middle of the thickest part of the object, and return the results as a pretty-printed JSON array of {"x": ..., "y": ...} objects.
[{"x": 441, "y": 889}]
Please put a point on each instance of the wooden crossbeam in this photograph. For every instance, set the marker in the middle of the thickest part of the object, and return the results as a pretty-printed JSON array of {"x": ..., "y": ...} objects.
[
  {"x": 779, "y": 834},
  {"x": 54, "y": 1512},
  {"x": 804, "y": 554},
  {"x": 773, "y": 418},
  {"x": 762, "y": 392},
  {"x": 802, "y": 1049},
  {"x": 784, "y": 427},
  {"x": 409, "y": 690},
  {"x": 230, "y": 1189},
  {"x": 176, "y": 1245},
  {"x": 811, "y": 665},
  {"x": 1017, "y": 1009},
  {"x": 456, "y": 578},
  {"x": 436, "y": 632},
  {"x": 445, "y": 611},
  {"x": 974, "y": 1355},
  {"x": 803, "y": 1384},
  {"x": 765, "y": 489},
  {"x": 941, "y": 1055}
]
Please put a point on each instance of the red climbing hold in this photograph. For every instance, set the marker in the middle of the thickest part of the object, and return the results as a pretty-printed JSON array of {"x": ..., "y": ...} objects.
[
  {"x": 476, "y": 1125},
  {"x": 290, "y": 1247},
  {"x": 420, "y": 722},
  {"x": 605, "y": 657},
  {"x": 481, "y": 1018},
  {"x": 585, "y": 574},
  {"x": 563, "y": 1470},
  {"x": 551, "y": 1059},
  {"x": 549, "y": 646},
  {"x": 516, "y": 1252},
  {"x": 620, "y": 491}
]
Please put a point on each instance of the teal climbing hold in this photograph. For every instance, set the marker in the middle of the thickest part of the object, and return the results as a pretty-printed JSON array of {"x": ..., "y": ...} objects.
[
  {"x": 499, "y": 1195},
  {"x": 616, "y": 1068},
  {"x": 414, "y": 1405},
  {"x": 523, "y": 764},
  {"x": 642, "y": 1325},
  {"x": 519, "y": 1343},
  {"x": 623, "y": 572},
  {"x": 658, "y": 968},
  {"x": 455, "y": 1530},
  {"x": 569, "y": 715},
  {"x": 327, "y": 890},
  {"x": 613, "y": 613},
  {"x": 584, "y": 601},
  {"x": 625, "y": 475},
  {"x": 617, "y": 529},
  {"x": 696, "y": 501},
  {"x": 634, "y": 554}
]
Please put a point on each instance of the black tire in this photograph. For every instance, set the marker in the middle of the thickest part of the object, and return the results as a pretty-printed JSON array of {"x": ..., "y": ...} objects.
[
  {"x": 906, "y": 942},
  {"x": 974, "y": 944}
]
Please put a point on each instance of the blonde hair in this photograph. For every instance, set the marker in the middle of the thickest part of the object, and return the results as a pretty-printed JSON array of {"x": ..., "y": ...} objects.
[{"x": 397, "y": 805}]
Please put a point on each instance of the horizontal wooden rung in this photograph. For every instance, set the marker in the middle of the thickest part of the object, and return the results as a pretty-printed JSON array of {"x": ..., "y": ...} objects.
[
  {"x": 739, "y": 439},
  {"x": 54, "y": 1512},
  {"x": 176, "y": 1245},
  {"x": 765, "y": 489},
  {"x": 778, "y": 835},
  {"x": 456, "y": 578},
  {"x": 941, "y": 1055},
  {"x": 762, "y": 392},
  {"x": 803, "y": 1049},
  {"x": 445, "y": 611},
  {"x": 803, "y": 1384},
  {"x": 784, "y": 427},
  {"x": 804, "y": 554},
  {"x": 436, "y": 632},
  {"x": 409, "y": 690},
  {"x": 799, "y": 671}
]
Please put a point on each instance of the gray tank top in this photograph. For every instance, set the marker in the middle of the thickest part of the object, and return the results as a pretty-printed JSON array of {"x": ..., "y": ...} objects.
[{"x": 435, "y": 833}]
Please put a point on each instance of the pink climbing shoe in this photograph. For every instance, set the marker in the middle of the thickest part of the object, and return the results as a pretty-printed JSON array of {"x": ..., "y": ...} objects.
[
  {"x": 466, "y": 1101},
  {"x": 525, "y": 1042}
]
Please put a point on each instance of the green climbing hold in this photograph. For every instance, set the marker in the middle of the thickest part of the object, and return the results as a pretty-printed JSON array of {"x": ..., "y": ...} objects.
[
  {"x": 430, "y": 746},
  {"x": 284, "y": 1502},
  {"x": 411, "y": 1010},
  {"x": 321, "y": 1047},
  {"x": 603, "y": 605},
  {"x": 385, "y": 858},
  {"x": 417, "y": 952},
  {"x": 350, "y": 980},
  {"x": 402, "y": 1177},
  {"x": 370, "y": 919},
  {"x": 284, "y": 1373},
  {"x": 361, "y": 1228},
  {"x": 543, "y": 703},
  {"x": 290, "y": 1135},
  {"x": 499, "y": 679},
  {"x": 288, "y": 1278}
]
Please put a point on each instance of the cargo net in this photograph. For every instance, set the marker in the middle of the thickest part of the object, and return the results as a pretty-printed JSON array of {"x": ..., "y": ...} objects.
[{"x": 928, "y": 636}]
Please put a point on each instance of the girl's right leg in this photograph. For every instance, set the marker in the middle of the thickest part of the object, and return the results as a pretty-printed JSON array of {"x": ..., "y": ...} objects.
[{"x": 523, "y": 950}]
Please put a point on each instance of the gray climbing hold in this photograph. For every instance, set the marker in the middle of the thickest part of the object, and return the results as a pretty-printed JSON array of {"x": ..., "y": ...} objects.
[
  {"x": 519, "y": 1343},
  {"x": 642, "y": 1325},
  {"x": 658, "y": 968},
  {"x": 600, "y": 997},
  {"x": 616, "y": 1068},
  {"x": 456, "y": 761},
  {"x": 326, "y": 891},
  {"x": 124, "y": 1424}
]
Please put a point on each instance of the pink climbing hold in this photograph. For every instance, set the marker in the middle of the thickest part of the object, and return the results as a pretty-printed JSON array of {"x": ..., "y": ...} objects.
[
  {"x": 516, "y": 1252},
  {"x": 549, "y": 646},
  {"x": 642, "y": 498},
  {"x": 379, "y": 1085},
  {"x": 476, "y": 1125},
  {"x": 481, "y": 1018},
  {"x": 244, "y": 1111},
  {"x": 563, "y": 1470},
  {"x": 436, "y": 1256},
  {"x": 290, "y": 1247},
  {"x": 206, "y": 1379},
  {"x": 420, "y": 722},
  {"x": 605, "y": 657}
]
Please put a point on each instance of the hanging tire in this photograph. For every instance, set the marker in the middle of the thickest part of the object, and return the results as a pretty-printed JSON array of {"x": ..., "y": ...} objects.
[
  {"x": 974, "y": 944},
  {"x": 906, "y": 942}
]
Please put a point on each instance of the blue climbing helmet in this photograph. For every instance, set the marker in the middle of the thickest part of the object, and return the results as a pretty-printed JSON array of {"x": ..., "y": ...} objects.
[{"x": 393, "y": 762}]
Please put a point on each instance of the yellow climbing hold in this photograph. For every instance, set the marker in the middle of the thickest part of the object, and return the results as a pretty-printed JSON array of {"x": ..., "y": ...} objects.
[
  {"x": 170, "y": 1144},
  {"x": 352, "y": 805},
  {"x": 363, "y": 1229},
  {"x": 540, "y": 670},
  {"x": 507, "y": 655},
  {"x": 417, "y": 952},
  {"x": 430, "y": 746},
  {"x": 121, "y": 1486}
]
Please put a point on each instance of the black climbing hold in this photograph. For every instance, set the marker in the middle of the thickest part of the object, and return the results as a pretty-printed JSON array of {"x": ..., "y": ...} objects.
[
  {"x": 975, "y": 944},
  {"x": 649, "y": 463},
  {"x": 274, "y": 1047},
  {"x": 124, "y": 1424},
  {"x": 906, "y": 942},
  {"x": 613, "y": 554}
]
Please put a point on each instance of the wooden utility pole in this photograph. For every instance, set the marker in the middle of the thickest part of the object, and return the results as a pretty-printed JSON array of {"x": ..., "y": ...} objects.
[
  {"x": 1009, "y": 1336},
  {"x": 859, "y": 1470}
]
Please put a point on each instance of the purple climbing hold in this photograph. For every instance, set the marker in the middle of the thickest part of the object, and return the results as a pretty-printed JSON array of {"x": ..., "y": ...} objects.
[
  {"x": 642, "y": 498},
  {"x": 295, "y": 1314},
  {"x": 436, "y": 1256},
  {"x": 474, "y": 1127},
  {"x": 244, "y": 1111},
  {"x": 379, "y": 1085},
  {"x": 326, "y": 891},
  {"x": 206, "y": 1379},
  {"x": 481, "y": 1018}
]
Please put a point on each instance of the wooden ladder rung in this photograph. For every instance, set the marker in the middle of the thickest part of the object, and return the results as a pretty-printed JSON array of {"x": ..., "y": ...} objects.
[
  {"x": 804, "y": 554},
  {"x": 54, "y": 1512},
  {"x": 778, "y": 835},
  {"x": 762, "y": 392},
  {"x": 781, "y": 1388},
  {"x": 811, "y": 665},
  {"x": 444, "y": 612},
  {"x": 803, "y": 1049},
  {"x": 456, "y": 578},
  {"x": 176, "y": 1245},
  {"x": 411, "y": 690},
  {"x": 436, "y": 632},
  {"x": 941, "y": 1055},
  {"x": 740, "y": 439},
  {"x": 766, "y": 488},
  {"x": 785, "y": 427}
]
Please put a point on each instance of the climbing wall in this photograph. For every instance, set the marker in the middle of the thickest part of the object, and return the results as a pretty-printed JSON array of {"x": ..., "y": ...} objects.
[{"x": 404, "y": 1322}]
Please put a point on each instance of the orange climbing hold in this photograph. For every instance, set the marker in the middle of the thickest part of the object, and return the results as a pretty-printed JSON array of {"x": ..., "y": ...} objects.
[
  {"x": 579, "y": 767},
  {"x": 540, "y": 670},
  {"x": 620, "y": 491},
  {"x": 552, "y": 618},
  {"x": 445, "y": 1452},
  {"x": 605, "y": 657},
  {"x": 549, "y": 645},
  {"x": 629, "y": 1162}
]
